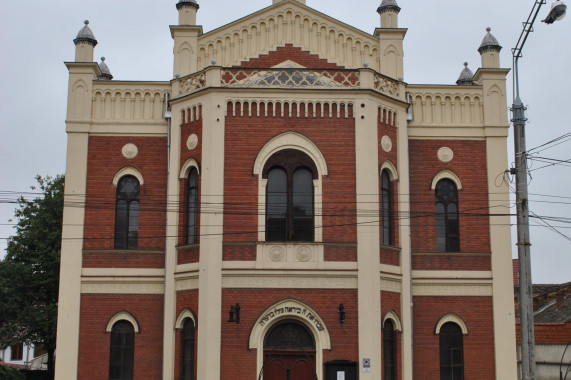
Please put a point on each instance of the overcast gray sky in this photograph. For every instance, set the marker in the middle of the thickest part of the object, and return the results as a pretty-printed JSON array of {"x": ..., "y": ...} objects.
[{"x": 37, "y": 37}]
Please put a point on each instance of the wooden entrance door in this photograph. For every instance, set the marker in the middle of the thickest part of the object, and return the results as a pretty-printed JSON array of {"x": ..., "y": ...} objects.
[
  {"x": 289, "y": 353},
  {"x": 289, "y": 366}
]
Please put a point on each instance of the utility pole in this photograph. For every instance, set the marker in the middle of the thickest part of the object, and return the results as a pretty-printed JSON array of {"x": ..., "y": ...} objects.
[{"x": 557, "y": 12}]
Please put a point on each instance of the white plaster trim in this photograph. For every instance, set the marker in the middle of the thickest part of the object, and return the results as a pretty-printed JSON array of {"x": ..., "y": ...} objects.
[
  {"x": 393, "y": 317},
  {"x": 451, "y": 318},
  {"x": 391, "y": 169},
  {"x": 290, "y": 309},
  {"x": 128, "y": 170},
  {"x": 122, "y": 316},
  {"x": 190, "y": 163},
  {"x": 291, "y": 140},
  {"x": 446, "y": 174},
  {"x": 182, "y": 316}
]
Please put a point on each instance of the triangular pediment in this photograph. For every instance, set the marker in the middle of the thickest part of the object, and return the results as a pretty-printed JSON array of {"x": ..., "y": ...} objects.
[{"x": 288, "y": 23}]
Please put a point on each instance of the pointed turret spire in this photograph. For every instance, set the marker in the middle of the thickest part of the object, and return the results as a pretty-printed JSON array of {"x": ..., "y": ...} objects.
[
  {"x": 84, "y": 44},
  {"x": 466, "y": 77},
  {"x": 187, "y": 12},
  {"x": 389, "y": 11},
  {"x": 105, "y": 72},
  {"x": 490, "y": 50}
]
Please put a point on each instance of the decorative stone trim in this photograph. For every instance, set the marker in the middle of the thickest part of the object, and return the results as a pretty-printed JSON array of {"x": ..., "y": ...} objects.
[
  {"x": 387, "y": 143},
  {"x": 446, "y": 174},
  {"x": 122, "y": 316},
  {"x": 192, "y": 142},
  {"x": 445, "y": 154},
  {"x": 182, "y": 316},
  {"x": 394, "y": 318},
  {"x": 130, "y": 151},
  {"x": 451, "y": 318},
  {"x": 128, "y": 170}
]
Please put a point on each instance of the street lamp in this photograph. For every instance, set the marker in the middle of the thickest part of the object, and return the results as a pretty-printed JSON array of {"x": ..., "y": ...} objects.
[{"x": 557, "y": 12}]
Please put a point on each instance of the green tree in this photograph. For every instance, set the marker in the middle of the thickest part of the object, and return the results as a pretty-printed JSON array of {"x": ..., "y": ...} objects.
[{"x": 29, "y": 274}]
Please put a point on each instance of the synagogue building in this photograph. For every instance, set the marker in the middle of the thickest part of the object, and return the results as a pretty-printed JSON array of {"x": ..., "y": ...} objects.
[{"x": 285, "y": 207}]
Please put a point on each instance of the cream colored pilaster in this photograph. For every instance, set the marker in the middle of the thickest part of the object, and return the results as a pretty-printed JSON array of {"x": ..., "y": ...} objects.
[
  {"x": 369, "y": 284},
  {"x": 496, "y": 130},
  {"x": 391, "y": 51},
  {"x": 210, "y": 281},
  {"x": 170, "y": 251},
  {"x": 500, "y": 241},
  {"x": 404, "y": 239},
  {"x": 185, "y": 49},
  {"x": 80, "y": 88}
]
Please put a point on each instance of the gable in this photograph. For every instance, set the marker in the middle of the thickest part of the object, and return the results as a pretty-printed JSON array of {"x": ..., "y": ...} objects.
[
  {"x": 290, "y": 53},
  {"x": 287, "y": 23}
]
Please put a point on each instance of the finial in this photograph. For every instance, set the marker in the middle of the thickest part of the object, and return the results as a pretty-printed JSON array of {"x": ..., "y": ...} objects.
[
  {"x": 102, "y": 59},
  {"x": 489, "y": 42},
  {"x": 488, "y": 29},
  {"x": 465, "y": 63},
  {"x": 466, "y": 77},
  {"x": 86, "y": 22}
]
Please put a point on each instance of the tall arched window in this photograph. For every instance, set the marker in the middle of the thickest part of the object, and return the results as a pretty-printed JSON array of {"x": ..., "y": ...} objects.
[
  {"x": 447, "y": 228},
  {"x": 386, "y": 208},
  {"x": 289, "y": 196},
  {"x": 389, "y": 350},
  {"x": 192, "y": 207},
  {"x": 127, "y": 213},
  {"x": 451, "y": 352},
  {"x": 121, "y": 351},
  {"x": 187, "y": 350}
]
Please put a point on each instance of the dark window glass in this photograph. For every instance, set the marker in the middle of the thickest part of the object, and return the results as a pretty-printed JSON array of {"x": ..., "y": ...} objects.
[
  {"x": 447, "y": 227},
  {"x": 192, "y": 208},
  {"x": 17, "y": 352},
  {"x": 289, "y": 196},
  {"x": 451, "y": 352},
  {"x": 289, "y": 336},
  {"x": 187, "y": 350},
  {"x": 127, "y": 213},
  {"x": 122, "y": 351},
  {"x": 276, "y": 205},
  {"x": 389, "y": 351},
  {"x": 386, "y": 207},
  {"x": 302, "y": 205}
]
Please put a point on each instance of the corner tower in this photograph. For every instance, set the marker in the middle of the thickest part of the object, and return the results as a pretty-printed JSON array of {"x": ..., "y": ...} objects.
[{"x": 391, "y": 39}]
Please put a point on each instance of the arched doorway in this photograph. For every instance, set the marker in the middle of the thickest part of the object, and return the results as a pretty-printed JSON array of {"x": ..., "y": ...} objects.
[{"x": 289, "y": 352}]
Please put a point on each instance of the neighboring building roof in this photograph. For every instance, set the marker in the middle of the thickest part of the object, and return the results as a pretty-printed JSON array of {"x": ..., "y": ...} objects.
[{"x": 551, "y": 303}]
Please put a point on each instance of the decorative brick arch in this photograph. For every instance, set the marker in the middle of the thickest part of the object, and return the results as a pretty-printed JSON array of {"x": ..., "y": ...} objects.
[
  {"x": 296, "y": 141},
  {"x": 128, "y": 170},
  {"x": 454, "y": 319},
  {"x": 122, "y": 316},
  {"x": 290, "y": 309},
  {"x": 446, "y": 174}
]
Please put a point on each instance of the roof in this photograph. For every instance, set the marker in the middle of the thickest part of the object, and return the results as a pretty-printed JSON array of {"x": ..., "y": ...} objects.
[{"x": 551, "y": 303}]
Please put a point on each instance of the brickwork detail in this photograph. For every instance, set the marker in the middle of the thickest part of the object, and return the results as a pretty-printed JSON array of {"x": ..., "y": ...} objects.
[
  {"x": 94, "y": 342},
  {"x": 104, "y": 161}
]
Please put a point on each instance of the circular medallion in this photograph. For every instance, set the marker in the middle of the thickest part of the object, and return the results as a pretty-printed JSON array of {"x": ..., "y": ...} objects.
[
  {"x": 130, "y": 151},
  {"x": 386, "y": 143},
  {"x": 192, "y": 142},
  {"x": 303, "y": 254},
  {"x": 276, "y": 253},
  {"x": 445, "y": 154}
]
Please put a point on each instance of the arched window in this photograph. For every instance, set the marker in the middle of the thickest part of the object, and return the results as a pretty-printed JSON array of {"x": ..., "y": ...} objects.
[
  {"x": 187, "y": 350},
  {"x": 447, "y": 228},
  {"x": 121, "y": 351},
  {"x": 386, "y": 198},
  {"x": 289, "y": 196},
  {"x": 451, "y": 352},
  {"x": 192, "y": 207},
  {"x": 389, "y": 350},
  {"x": 127, "y": 213}
]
